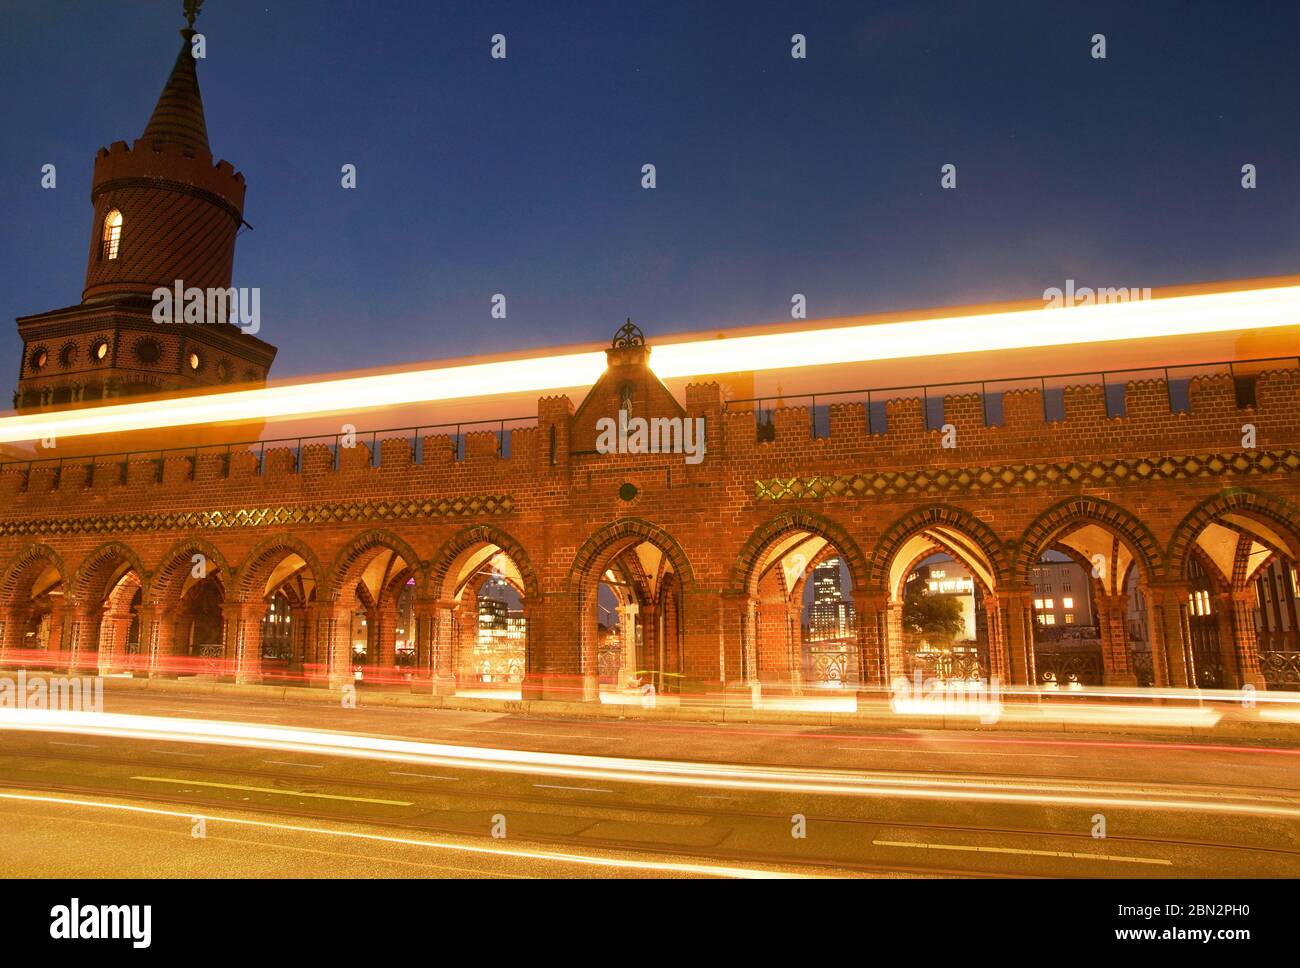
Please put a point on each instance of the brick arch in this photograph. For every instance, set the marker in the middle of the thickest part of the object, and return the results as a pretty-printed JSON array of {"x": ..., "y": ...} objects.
[
  {"x": 90, "y": 580},
  {"x": 745, "y": 567},
  {"x": 336, "y": 579},
  {"x": 175, "y": 566},
  {"x": 595, "y": 546},
  {"x": 1275, "y": 509},
  {"x": 261, "y": 561},
  {"x": 20, "y": 566},
  {"x": 468, "y": 538},
  {"x": 1093, "y": 510},
  {"x": 935, "y": 516}
]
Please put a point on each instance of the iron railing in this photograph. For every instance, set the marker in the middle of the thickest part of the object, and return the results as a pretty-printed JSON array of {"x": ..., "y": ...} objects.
[
  {"x": 224, "y": 451},
  {"x": 1053, "y": 398}
]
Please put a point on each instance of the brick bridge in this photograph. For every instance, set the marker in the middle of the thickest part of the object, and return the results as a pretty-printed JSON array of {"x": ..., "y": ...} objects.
[{"x": 714, "y": 554}]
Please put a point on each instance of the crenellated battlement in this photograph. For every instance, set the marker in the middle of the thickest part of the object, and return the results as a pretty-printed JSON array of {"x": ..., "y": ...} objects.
[{"x": 1091, "y": 420}]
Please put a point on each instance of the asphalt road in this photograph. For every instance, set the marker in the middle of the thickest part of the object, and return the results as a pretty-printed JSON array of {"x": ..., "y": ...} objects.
[{"x": 695, "y": 800}]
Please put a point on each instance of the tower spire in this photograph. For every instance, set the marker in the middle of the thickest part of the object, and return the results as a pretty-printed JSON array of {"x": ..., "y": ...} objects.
[{"x": 178, "y": 116}]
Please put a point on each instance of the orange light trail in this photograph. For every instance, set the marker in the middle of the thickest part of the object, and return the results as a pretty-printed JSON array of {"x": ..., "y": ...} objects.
[{"x": 1242, "y": 310}]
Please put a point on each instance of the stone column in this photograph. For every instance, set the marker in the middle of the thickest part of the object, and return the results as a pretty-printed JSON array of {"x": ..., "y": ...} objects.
[
  {"x": 1171, "y": 644},
  {"x": 243, "y": 639},
  {"x": 1112, "y": 612},
  {"x": 794, "y": 644}
]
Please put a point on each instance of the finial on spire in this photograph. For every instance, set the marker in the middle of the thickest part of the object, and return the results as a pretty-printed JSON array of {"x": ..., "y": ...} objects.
[
  {"x": 191, "y": 11},
  {"x": 628, "y": 335}
]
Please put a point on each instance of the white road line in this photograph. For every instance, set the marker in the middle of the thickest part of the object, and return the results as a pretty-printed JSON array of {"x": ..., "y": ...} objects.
[
  {"x": 552, "y": 786},
  {"x": 1074, "y": 855},
  {"x": 305, "y": 766},
  {"x": 173, "y": 753},
  {"x": 890, "y": 749},
  {"x": 84, "y": 746},
  {"x": 426, "y": 776}
]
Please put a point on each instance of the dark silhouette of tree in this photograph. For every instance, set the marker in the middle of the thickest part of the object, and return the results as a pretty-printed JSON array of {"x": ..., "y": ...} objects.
[{"x": 936, "y": 617}]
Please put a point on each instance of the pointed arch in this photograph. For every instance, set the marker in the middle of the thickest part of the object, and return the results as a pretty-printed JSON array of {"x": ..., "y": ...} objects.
[
  {"x": 177, "y": 563},
  {"x": 1240, "y": 500},
  {"x": 25, "y": 567},
  {"x": 467, "y": 539},
  {"x": 90, "y": 580},
  {"x": 632, "y": 531},
  {"x": 340, "y": 575},
  {"x": 257, "y": 566},
  {"x": 1082, "y": 510},
  {"x": 744, "y": 572},
  {"x": 953, "y": 530}
]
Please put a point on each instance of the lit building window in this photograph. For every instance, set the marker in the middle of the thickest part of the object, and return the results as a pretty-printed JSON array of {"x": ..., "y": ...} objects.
[
  {"x": 1049, "y": 619},
  {"x": 1069, "y": 618},
  {"x": 1038, "y": 603},
  {"x": 1048, "y": 603},
  {"x": 1067, "y": 603},
  {"x": 112, "y": 234}
]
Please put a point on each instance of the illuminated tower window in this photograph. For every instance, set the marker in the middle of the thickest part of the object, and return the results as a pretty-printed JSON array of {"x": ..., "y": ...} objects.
[{"x": 112, "y": 234}]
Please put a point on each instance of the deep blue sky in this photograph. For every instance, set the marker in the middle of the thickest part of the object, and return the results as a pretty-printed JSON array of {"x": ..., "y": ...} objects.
[{"x": 775, "y": 175}]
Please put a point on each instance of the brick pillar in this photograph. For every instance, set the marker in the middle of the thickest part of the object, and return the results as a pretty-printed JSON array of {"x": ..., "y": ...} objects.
[
  {"x": 1112, "y": 612},
  {"x": 1240, "y": 647},
  {"x": 457, "y": 636},
  {"x": 81, "y": 634},
  {"x": 628, "y": 616},
  {"x": 384, "y": 636},
  {"x": 773, "y": 645},
  {"x": 58, "y": 626},
  {"x": 150, "y": 619},
  {"x": 794, "y": 644},
  {"x": 1171, "y": 644},
  {"x": 895, "y": 654},
  {"x": 872, "y": 610},
  {"x": 995, "y": 640},
  {"x": 1015, "y": 606},
  {"x": 13, "y": 629},
  {"x": 334, "y": 644},
  {"x": 114, "y": 628},
  {"x": 650, "y": 644},
  {"x": 243, "y": 639}
]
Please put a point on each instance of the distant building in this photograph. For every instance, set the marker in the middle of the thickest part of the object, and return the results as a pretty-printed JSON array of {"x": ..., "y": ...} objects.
[
  {"x": 1062, "y": 594},
  {"x": 831, "y": 616}
]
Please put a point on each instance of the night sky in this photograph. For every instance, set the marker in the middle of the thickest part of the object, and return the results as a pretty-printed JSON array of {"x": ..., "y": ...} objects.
[{"x": 775, "y": 175}]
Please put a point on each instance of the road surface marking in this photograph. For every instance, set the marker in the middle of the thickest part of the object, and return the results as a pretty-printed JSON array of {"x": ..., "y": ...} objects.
[
  {"x": 552, "y": 786},
  {"x": 174, "y": 753},
  {"x": 427, "y": 776},
  {"x": 888, "y": 749},
  {"x": 305, "y": 766},
  {"x": 84, "y": 746},
  {"x": 283, "y": 793},
  {"x": 590, "y": 860},
  {"x": 1076, "y": 855}
]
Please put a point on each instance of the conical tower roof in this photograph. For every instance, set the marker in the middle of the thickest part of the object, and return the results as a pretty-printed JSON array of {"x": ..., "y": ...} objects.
[{"x": 178, "y": 117}]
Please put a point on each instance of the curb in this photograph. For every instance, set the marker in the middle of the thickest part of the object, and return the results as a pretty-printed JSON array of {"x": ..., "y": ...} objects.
[{"x": 1233, "y": 722}]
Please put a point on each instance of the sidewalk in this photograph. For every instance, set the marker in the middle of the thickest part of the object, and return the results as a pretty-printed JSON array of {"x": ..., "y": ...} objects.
[{"x": 1274, "y": 718}]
